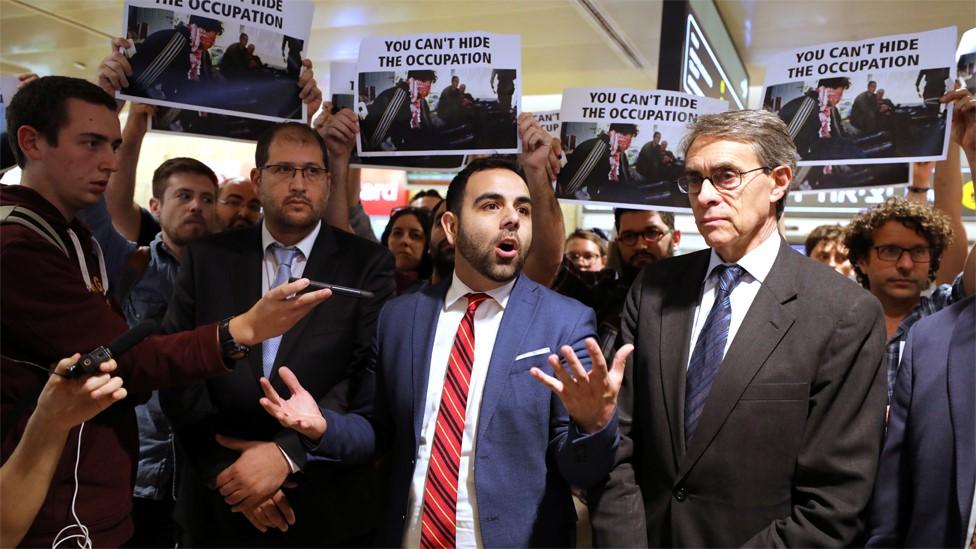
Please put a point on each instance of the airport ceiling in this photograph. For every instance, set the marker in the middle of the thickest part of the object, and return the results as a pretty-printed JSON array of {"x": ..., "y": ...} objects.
[{"x": 565, "y": 43}]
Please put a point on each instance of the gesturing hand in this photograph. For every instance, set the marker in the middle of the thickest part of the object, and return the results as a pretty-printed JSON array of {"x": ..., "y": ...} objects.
[
  {"x": 589, "y": 397},
  {"x": 300, "y": 412},
  {"x": 259, "y": 471}
]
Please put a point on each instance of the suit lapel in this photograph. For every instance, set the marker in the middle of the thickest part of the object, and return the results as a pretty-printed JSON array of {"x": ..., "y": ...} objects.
[
  {"x": 516, "y": 323},
  {"x": 247, "y": 267},
  {"x": 320, "y": 267},
  {"x": 962, "y": 400},
  {"x": 763, "y": 327},
  {"x": 425, "y": 318},
  {"x": 677, "y": 315}
]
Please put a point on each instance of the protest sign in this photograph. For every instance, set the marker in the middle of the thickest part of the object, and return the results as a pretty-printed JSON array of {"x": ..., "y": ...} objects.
[
  {"x": 205, "y": 124},
  {"x": 622, "y": 145},
  {"x": 966, "y": 60},
  {"x": 342, "y": 84},
  {"x": 845, "y": 176},
  {"x": 439, "y": 94},
  {"x": 866, "y": 102},
  {"x": 231, "y": 57},
  {"x": 549, "y": 120}
]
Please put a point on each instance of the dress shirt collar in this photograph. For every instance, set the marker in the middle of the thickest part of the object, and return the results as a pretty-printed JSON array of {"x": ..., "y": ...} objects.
[
  {"x": 304, "y": 245},
  {"x": 459, "y": 289},
  {"x": 757, "y": 263}
]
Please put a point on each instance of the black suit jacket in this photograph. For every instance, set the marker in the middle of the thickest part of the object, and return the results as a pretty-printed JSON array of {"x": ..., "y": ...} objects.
[
  {"x": 328, "y": 350},
  {"x": 786, "y": 449}
]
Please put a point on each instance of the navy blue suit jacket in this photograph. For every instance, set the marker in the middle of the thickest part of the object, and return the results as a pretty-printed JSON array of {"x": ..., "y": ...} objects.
[
  {"x": 528, "y": 452},
  {"x": 924, "y": 492}
]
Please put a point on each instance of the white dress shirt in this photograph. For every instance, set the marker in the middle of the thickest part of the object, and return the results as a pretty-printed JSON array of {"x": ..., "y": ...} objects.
[
  {"x": 756, "y": 265},
  {"x": 487, "y": 319},
  {"x": 269, "y": 268},
  {"x": 270, "y": 263},
  {"x": 971, "y": 529}
]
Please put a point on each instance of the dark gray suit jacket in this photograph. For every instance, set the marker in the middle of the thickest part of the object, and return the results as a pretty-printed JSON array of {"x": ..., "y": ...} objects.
[{"x": 787, "y": 445}]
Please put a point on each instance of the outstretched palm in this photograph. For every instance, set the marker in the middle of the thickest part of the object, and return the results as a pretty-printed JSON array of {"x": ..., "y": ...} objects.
[
  {"x": 589, "y": 397},
  {"x": 300, "y": 412}
]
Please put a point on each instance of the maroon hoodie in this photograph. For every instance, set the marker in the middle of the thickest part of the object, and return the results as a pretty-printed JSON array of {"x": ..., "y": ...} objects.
[{"x": 49, "y": 313}]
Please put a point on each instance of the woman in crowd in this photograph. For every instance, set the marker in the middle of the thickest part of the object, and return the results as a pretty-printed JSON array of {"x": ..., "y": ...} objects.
[
  {"x": 406, "y": 236},
  {"x": 587, "y": 251}
]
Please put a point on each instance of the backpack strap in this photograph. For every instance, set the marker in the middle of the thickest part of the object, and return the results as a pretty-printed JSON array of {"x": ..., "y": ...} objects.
[{"x": 25, "y": 217}]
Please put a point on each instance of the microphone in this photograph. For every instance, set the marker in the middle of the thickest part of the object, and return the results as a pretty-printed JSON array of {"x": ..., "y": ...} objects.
[{"x": 89, "y": 363}]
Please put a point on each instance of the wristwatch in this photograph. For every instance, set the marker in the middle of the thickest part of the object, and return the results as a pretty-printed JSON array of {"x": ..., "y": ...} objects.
[
  {"x": 232, "y": 350},
  {"x": 919, "y": 190}
]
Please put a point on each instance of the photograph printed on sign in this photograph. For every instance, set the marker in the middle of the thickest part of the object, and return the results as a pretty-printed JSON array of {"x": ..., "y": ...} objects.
[
  {"x": 869, "y": 102},
  {"x": 892, "y": 115},
  {"x": 199, "y": 61},
  {"x": 847, "y": 176},
  {"x": 342, "y": 84},
  {"x": 208, "y": 124},
  {"x": 628, "y": 151},
  {"x": 438, "y": 95}
]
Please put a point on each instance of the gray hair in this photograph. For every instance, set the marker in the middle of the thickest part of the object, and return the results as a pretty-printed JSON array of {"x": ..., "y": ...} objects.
[{"x": 765, "y": 131}]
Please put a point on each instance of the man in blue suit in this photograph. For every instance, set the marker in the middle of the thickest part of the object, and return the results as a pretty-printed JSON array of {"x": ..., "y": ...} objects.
[
  {"x": 924, "y": 493},
  {"x": 454, "y": 390}
]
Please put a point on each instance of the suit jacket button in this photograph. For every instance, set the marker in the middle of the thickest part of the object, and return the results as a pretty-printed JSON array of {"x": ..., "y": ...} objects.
[{"x": 680, "y": 494}]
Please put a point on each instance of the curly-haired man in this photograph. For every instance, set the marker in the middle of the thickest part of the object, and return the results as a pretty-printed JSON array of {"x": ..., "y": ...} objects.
[{"x": 896, "y": 249}]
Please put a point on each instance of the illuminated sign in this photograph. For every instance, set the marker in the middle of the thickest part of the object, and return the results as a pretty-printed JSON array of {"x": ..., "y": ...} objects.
[{"x": 702, "y": 73}]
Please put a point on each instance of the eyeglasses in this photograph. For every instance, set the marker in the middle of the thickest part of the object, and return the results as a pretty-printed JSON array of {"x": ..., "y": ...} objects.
[
  {"x": 724, "y": 179},
  {"x": 237, "y": 203},
  {"x": 649, "y": 234},
  {"x": 284, "y": 171},
  {"x": 584, "y": 256},
  {"x": 919, "y": 254}
]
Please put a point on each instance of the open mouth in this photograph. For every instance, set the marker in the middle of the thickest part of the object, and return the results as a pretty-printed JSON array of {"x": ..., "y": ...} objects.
[{"x": 507, "y": 248}]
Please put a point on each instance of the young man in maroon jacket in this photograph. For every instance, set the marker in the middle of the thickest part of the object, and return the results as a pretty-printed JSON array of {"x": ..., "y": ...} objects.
[{"x": 54, "y": 303}]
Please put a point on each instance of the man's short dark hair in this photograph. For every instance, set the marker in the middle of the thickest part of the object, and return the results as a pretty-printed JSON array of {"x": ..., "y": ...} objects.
[
  {"x": 830, "y": 233},
  {"x": 429, "y": 192},
  {"x": 243, "y": 35},
  {"x": 455, "y": 191},
  {"x": 425, "y": 75},
  {"x": 835, "y": 82},
  {"x": 928, "y": 222},
  {"x": 173, "y": 166},
  {"x": 624, "y": 128},
  {"x": 666, "y": 217},
  {"x": 42, "y": 105},
  {"x": 295, "y": 131}
]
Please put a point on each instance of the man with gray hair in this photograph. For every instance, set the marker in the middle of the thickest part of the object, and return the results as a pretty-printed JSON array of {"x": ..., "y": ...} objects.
[{"x": 756, "y": 391}]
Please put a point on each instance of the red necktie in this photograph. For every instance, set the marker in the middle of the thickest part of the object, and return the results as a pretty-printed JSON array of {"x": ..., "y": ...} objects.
[{"x": 438, "y": 520}]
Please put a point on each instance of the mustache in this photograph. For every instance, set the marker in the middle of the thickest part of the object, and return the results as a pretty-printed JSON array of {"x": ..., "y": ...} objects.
[{"x": 295, "y": 197}]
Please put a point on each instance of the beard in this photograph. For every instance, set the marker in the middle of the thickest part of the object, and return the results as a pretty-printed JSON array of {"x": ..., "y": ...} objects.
[
  {"x": 482, "y": 257},
  {"x": 442, "y": 258},
  {"x": 279, "y": 215}
]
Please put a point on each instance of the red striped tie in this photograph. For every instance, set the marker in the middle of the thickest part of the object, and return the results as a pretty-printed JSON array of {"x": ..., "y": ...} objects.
[{"x": 438, "y": 520}]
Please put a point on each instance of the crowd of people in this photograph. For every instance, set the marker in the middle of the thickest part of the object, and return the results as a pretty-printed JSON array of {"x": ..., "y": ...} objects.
[{"x": 473, "y": 369}]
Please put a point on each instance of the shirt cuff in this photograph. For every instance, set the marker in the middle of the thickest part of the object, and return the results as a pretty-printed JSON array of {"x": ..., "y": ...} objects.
[{"x": 291, "y": 464}]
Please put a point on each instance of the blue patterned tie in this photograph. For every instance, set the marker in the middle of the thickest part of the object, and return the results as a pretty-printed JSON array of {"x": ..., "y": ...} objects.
[
  {"x": 270, "y": 348},
  {"x": 710, "y": 348}
]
